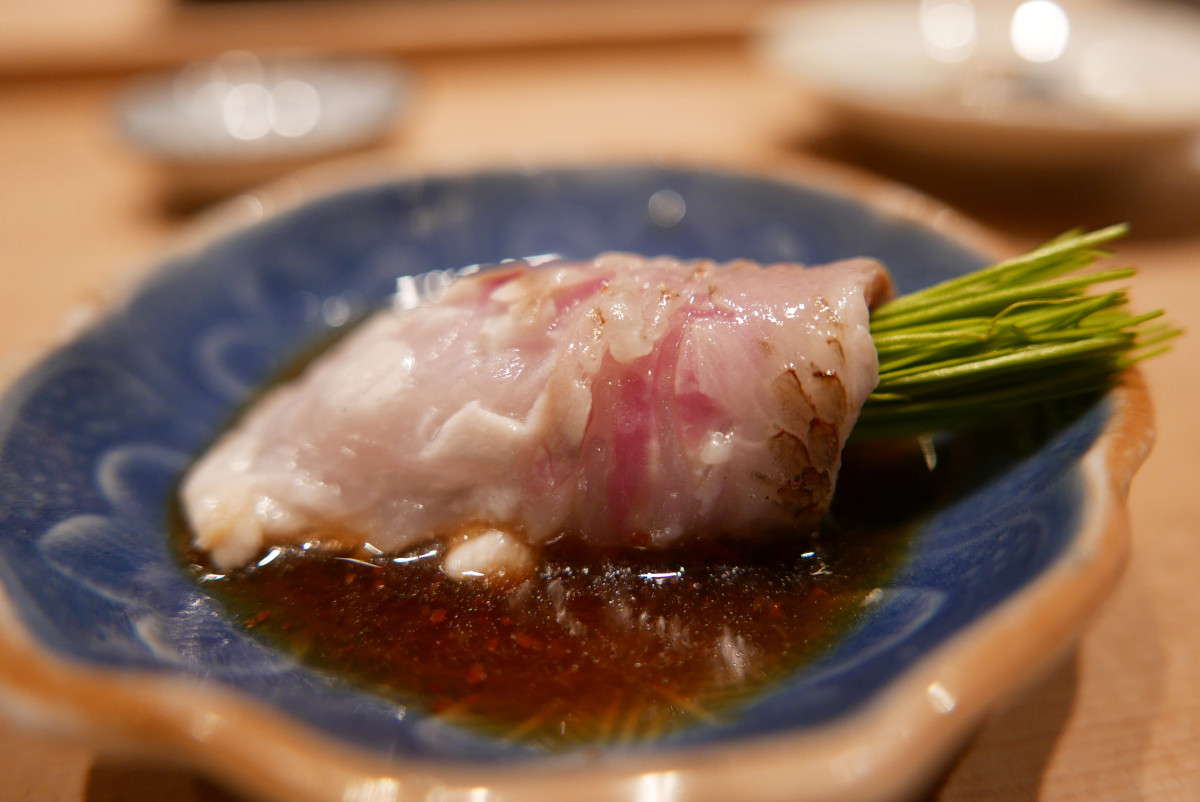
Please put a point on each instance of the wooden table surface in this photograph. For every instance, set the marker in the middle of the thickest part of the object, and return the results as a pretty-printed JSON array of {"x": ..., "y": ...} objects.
[{"x": 80, "y": 213}]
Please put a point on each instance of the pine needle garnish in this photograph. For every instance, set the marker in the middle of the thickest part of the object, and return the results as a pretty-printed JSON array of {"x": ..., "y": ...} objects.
[{"x": 1019, "y": 332}]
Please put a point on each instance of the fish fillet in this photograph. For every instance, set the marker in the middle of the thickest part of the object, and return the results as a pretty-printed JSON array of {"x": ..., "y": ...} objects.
[{"x": 625, "y": 400}]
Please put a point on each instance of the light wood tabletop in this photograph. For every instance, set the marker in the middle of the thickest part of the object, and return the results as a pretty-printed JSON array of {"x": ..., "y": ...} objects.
[{"x": 81, "y": 213}]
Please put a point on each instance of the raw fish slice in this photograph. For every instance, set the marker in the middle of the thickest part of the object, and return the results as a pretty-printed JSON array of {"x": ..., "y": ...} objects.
[{"x": 628, "y": 401}]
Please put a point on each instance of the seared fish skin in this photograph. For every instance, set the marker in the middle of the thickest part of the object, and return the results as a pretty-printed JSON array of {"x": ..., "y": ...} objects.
[{"x": 624, "y": 400}]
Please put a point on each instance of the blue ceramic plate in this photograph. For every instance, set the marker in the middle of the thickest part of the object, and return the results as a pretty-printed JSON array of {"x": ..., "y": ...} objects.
[{"x": 105, "y": 636}]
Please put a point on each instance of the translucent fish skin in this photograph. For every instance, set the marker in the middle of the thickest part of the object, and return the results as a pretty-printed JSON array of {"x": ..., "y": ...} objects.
[{"x": 624, "y": 400}]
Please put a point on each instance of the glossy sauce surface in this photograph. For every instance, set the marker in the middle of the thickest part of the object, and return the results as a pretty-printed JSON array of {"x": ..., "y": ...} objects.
[{"x": 595, "y": 647}]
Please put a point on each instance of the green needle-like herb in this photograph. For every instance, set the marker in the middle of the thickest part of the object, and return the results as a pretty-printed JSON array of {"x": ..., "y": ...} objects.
[{"x": 1016, "y": 333}]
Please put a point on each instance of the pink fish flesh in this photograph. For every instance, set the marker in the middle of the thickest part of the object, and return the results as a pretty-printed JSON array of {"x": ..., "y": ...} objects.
[{"x": 625, "y": 400}]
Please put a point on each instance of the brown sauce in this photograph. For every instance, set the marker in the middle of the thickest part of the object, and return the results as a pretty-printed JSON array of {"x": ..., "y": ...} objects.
[
  {"x": 587, "y": 650},
  {"x": 595, "y": 647}
]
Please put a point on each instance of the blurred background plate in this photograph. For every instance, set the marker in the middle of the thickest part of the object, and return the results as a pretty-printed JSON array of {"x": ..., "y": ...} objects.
[
  {"x": 1034, "y": 84},
  {"x": 239, "y": 120}
]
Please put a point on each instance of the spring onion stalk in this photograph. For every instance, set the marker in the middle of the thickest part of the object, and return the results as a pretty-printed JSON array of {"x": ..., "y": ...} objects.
[{"x": 1020, "y": 332}]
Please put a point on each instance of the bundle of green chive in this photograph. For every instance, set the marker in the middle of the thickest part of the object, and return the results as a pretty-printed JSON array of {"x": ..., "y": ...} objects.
[{"x": 1019, "y": 332}]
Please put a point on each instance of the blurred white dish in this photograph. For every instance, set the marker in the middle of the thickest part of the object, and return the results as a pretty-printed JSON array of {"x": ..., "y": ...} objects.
[
  {"x": 239, "y": 120},
  {"x": 1050, "y": 86}
]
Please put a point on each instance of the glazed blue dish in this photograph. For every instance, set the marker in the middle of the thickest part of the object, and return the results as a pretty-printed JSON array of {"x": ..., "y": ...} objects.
[{"x": 94, "y": 440}]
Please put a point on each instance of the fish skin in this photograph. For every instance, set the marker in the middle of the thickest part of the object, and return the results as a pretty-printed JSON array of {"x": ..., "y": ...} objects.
[{"x": 624, "y": 400}]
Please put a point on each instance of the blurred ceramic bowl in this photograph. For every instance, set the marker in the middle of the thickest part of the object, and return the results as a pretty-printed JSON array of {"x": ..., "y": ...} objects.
[
  {"x": 240, "y": 120},
  {"x": 105, "y": 637},
  {"x": 1029, "y": 84}
]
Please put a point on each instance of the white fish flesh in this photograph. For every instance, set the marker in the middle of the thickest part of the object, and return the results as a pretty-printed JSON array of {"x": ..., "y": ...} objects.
[{"x": 625, "y": 400}]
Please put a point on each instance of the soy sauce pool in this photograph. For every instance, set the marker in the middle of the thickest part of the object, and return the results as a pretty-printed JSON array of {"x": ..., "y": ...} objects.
[{"x": 605, "y": 648}]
